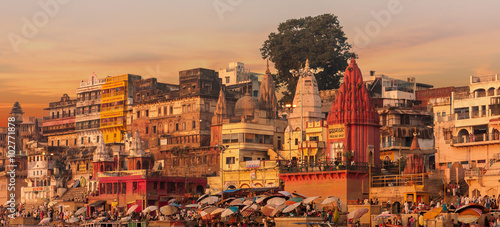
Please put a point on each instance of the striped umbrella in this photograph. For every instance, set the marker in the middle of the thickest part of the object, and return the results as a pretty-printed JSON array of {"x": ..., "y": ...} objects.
[
  {"x": 299, "y": 195},
  {"x": 267, "y": 210},
  {"x": 383, "y": 215},
  {"x": 294, "y": 200},
  {"x": 229, "y": 211},
  {"x": 168, "y": 210},
  {"x": 355, "y": 214},
  {"x": 217, "y": 211},
  {"x": 249, "y": 210},
  {"x": 210, "y": 200}
]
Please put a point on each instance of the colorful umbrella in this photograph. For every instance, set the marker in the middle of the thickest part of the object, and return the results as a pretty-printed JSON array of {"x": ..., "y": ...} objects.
[
  {"x": 483, "y": 209},
  {"x": 355, "y": 214},
  {"x": 209, "y": 209},
  {"x": 192, "y": 205},
  {"x": 172, "y": 201},
  {"x": 330, "y": 199},
  {"x": 294, "y": 200},
  {"x": 433, "y": 213},
  {"x": 132, "y": 209},
  {"x": 291, "y": 207},
  {"x": 168, "y": 210},
  {"x": 285, "y": 193},
  {"x": 175, "y": 205},
  {"x": 229, "y": 211},
  {"x": 310, "y": 199}
]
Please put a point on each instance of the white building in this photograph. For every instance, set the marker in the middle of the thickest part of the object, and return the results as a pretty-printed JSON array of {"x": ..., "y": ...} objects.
[
  {"x": 467, "y": 131},
  {"x": 236, "y": 73},
  {"x": 88, "y": 111}
]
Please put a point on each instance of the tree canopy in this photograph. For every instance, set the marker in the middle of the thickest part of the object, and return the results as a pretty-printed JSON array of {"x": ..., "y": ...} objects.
[{"x": 319, "y": 39}]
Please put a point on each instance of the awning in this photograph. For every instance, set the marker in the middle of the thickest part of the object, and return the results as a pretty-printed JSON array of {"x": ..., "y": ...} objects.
[
  {"x": 233, "y": 190},
  {"x": 97, "y": 203},
  {"x": 263, "y": 189}
]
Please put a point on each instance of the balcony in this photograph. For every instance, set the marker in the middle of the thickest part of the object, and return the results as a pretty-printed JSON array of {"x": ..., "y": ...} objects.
[
  {"x": 325, "y": 166},
  {"x": 60, "y": 130},
  {"x": 112, "y": 108},
  {"x": 91, "y": 126},
  {"x": 112, "y": 94},
  {"x": 476, "y": 139}
]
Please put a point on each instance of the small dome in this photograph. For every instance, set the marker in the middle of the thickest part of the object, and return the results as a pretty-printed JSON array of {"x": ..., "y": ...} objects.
[{"x": 246, "y": 105}]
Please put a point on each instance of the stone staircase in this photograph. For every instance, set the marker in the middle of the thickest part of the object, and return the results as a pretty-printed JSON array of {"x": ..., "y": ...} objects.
[{"x": 72, "y": 193}]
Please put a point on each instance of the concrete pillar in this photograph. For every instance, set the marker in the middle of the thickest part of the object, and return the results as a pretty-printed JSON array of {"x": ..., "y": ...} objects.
[{"x": 470, "y": 112}]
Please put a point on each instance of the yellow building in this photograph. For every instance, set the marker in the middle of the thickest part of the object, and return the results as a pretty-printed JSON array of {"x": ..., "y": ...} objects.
[{"x": 116, "y": 95}]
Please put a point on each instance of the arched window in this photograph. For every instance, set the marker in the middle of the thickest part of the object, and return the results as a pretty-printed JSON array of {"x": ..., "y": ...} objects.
[
  {"x": 102, "y": 168},
  {"x": 138, "y": 165}
]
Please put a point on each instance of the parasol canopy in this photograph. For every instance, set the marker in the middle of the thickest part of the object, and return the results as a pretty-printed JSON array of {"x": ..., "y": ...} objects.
[
  {"x": 355, "y": 214},
  {"x": 217, "y": 211},
  {"x": 150, "y": 209},
  {"x": 330, "y": 199},
  {"x": 73, "y": 220},
  {"x": 249, "y": 210},
  {"x": 229, "y": 211},
  {"x": 168, "y": 210},
  {"x": 383, "y": 215},
  {"x": 483, "y": 209},
  {"x": 268, "y": 209},
  {"x": 299, "y": 195},
  {"x": 174, "y": 200},
  {"x": 192, "y": 205},
  {"x": 80, "y": 211},
  {"x": 278, "y": 209},
  {"x": 132, "y": 209},
  {"x": 310, "y": 199},
  {"x": 202, "y": 197},
  {"x": 276, "y": 201},
  {"x": 44, "y": 221},
  {"x": 285, "y": 193},
  {"x": 294, "y": 200},
  {"x": 433, "y": 213},
  {"x": 291, "y": 207},
  {"x": 210, "y": 200},
  {"x": 469, "y": 215}
]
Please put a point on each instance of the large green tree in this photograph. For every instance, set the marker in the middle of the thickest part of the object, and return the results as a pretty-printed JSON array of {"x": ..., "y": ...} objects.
[{"x": 319, "y": 39}]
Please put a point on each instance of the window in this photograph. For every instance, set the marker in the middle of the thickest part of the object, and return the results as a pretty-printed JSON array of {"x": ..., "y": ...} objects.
[
  {"x": 159, "y": 110},
  {"x": 134, "y": 186},
  {"x": 155, "y": 185},
  {"x": 89, "y": 141},
  {"x": 138, "y": 114},
  {"x": 147, "y": 129},
  {"x": 124, "y": 187},
  {"x": 147, "y": 113},
  {"x": 154, "y": 129},
  {"x": 438, "y": 114},
  {"x": 162, "y": 185},
  {"x": 97, "y": 138},
  {"x": 443, "y": 114},
  {"x": 183, "y": 125},
  {"x": 227, "y": 79},
  {"x": 230, "y": 160},
  {"x": 247, "y": 159},
  {"x": 171, "y": 110},
  {"x": 115, "y": 188},
  {"x": 296, "y": 141},
  {"x": 193, "y": 125},
  {"x": 146, "y": 144},
  {"x": 108, "y": 188},
  {"x": 176, "y": 126}
]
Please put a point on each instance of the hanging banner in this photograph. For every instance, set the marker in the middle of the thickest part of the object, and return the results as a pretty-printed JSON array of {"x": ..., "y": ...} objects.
[
  {"x": 336, "y": 131},
  {"x": 253, "y": 176}
]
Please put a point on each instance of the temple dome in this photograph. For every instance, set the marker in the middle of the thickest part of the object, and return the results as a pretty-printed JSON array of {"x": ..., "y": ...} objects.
[{"x": 246, "y": 105}]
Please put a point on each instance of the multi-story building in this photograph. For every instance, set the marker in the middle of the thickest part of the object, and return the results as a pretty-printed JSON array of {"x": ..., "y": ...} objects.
[
  {"x": 59, "y": 125},
  {"x": 116, "y": 96},
  {"x": 247, "y": 139},
  {"x": 236, "y": 75},
  {"x": 41, "y": 185},
  {"x": 467, "y": 132},
  {"x": 27, "y": 129},
  {"x": 6, "y": 189},
  {"x": 175, "y": 127},
  {"x": 88, "y": 111}
]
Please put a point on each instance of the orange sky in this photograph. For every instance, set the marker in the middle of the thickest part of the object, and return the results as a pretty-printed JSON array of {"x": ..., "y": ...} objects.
[{"x": 440, "y": 43}]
